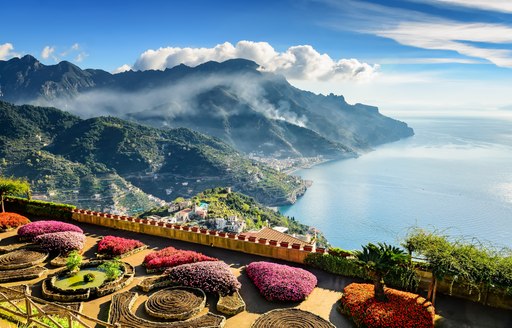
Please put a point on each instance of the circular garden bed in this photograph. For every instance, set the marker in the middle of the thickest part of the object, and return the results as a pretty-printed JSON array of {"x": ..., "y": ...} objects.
[
  {"x": 176, "y": 303},
  {"x": 22, "y": 258},
  {"x": 290, "y": 318}
]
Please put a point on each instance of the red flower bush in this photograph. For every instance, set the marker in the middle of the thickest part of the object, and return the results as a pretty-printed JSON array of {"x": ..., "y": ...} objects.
[
  {"x": 402, "y": 310},
  {"x": 10, "y": 220},
  {"x": 277, "y": 282},
  {"x": 62, "y": 242},
  {"x": 171, "y": 257},
  {"x": 115, "y": 246},
  {"x": 34, "y": 229},
  {"x": 212, "y": 277}
]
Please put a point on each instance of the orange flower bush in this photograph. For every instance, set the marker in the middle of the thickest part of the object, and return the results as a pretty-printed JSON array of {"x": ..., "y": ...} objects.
[
  {"x": 402, "y": 310},
  {"x": 10, "y": 220}
]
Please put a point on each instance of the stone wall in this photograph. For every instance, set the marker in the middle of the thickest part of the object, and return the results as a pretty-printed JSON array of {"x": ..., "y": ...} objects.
[{"x": 236, "y": 242}]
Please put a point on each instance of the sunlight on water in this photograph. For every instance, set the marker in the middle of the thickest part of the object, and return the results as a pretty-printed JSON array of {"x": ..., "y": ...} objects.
[{"x": 455, "y": 174}]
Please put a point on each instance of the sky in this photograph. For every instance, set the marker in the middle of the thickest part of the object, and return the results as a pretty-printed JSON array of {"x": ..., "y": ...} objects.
[{"x": 405, "y": 56}]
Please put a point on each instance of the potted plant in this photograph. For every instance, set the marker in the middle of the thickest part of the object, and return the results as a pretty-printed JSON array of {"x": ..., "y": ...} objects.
[
  {"x": 108, "y": 215},
  {"x": 272, "y": 242},
  {"x": 130, "y": 219},
  {"x": 168, "y": 225},
  {"x": 212, "y": 232},
  {"x": 320, "y": 250},
  {"x": 262, "y": 240},
  {"x": 284, "y": 244},
  {"x": 222, "y": 234},
  {"x": 241, "y": 237},
  {"x": 137, "y": 220},
  {"x": 203, "y": 231},
  {"x": 195, "y": 229},
  {"x": 252, "y": 239},
  {"x": 186, "y": 228},
  {"x": 231, "y": 235},
  {"x": 308, "y": 248},
  {"x": 177, "y": 226},
  {"x": 161, "y": 223},
  {"x": 295, "y": 246}
]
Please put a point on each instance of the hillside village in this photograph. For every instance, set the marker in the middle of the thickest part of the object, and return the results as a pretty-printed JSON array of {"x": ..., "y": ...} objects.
[{"x": 208, "y": 210}]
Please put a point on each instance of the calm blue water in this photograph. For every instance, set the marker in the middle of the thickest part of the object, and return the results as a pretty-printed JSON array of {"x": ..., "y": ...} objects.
[{"x": 455, "y": 175}]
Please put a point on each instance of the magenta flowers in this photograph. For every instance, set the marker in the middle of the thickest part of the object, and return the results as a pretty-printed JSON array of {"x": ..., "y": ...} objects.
[
  {"x": 277, "y": 282},
  {"x": 63, "y": 242},
  {"x": 171, "y": 257},
  {"x": 212, "y": 277},
  {"x": 115, "y": 246},
  {"x": 34, "y": 229}
]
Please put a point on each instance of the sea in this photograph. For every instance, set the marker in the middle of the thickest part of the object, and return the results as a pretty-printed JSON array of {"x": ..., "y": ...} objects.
[{"x": 454, "y": 176}]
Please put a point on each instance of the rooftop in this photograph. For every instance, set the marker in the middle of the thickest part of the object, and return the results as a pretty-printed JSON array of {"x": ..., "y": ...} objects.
[{"x": 271, "y": 234}]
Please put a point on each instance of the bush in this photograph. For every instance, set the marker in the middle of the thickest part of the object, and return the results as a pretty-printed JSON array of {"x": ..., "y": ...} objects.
[
  {"x": 73, "y": 261},
  {"x": 402, "y": 309},
  {"x": 111, "y": 268},
  {"x": 212, "y": 277},
  {"x": 115, "y": 246},
  {"x": 62, "y": 242},
  {"x": 34, "y": 229},
  {"x": 88, "y": 277},
  {"x": 171, "y": 257},
  {"x": 10, "y": 220},
  {"x": 40, "y": 208},
  {"x": 277, "y": 282}
]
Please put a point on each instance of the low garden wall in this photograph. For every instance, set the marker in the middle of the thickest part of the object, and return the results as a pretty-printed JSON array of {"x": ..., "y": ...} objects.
[{"x": 237, "y": 242}]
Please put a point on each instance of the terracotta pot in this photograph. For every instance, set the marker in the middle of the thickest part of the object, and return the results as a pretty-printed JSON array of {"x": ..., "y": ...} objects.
[
  {"x": 284, "y": 244},
  {"x": 296, "y": 246},
  {"x": 231, "y": 235},
  {"x": 195, "y": 229},
  {"x": 161, "y": 224},
  {"x": 122, "y": 218},
  {"x": 177, "y": 226},
  {"x": 115, "y": 216},
  {"x": 186, "y": 228},
  {"x": 262, "y": 240},
  {"x": 241, "y": 237},
  {"x": 168, "y": 225},
  {"x": 252, "y": 238},
  {"x": 129, "y": 219},
  {"x": 212, "y": 232},
  {"x": 273, "y": 242},
  {"x": 308, "y": 248},
  {"x": 108, "y": 215},
  {"x": 203, "y": 231},
  {"x": 137, "y": 220},
  {"x": 222, "y": 234},
  {"x": 320, "y": 250}
]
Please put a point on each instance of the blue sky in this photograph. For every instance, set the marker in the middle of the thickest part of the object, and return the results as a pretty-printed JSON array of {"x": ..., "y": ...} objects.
[{"x": 409, "y": 55}]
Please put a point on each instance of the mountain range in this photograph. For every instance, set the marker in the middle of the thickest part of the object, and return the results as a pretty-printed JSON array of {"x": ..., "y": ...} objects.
[
  {"x": 109, "y": 163},
  {"x": 236, "y": 101}
]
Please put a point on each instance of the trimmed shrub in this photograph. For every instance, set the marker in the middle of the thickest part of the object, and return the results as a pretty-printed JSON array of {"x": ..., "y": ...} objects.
[
  {"x": 402, "y": 310},
  {"x": 10, "y": 220},
  {"x": 115, "y": 246},
  {"x": 34, "y": 229},
  {"x": 39, "y": 208},
  {"x": 277, "y": 282},
  {"x": 62, "y": 242},
  {"x": 211, "y": 277},
  {"x": 170, "y": 257}
]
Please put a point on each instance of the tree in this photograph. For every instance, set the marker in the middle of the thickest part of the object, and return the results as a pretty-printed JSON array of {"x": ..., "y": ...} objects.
[
  {"x": 73, "y": 262},
  {"x": 378, "y": 260},
  {"x": 111, "y": 268},
  {"x": 12, "y": 186}
]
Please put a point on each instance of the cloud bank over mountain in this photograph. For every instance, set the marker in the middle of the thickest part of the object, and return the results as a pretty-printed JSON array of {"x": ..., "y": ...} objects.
[{"x": 301, "y": 62}]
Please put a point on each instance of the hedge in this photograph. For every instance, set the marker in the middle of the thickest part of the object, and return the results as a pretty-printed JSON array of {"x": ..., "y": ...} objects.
[
  {"x": 399, "y": 277},
  {"x": 39, "y": 208}
]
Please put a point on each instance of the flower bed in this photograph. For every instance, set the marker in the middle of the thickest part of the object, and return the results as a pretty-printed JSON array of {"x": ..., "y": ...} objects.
[
  {"x": 62, "y": 242},
  {"x": 277, "y": 282},
  {"x": 402, "y": 310},
  {"x": 212, "y": 277},
  {"x": 34, "y": 229},
  {"x": 170, "y": 257},
  {"x": 10, "y": 221},
  {"x": 117, "y": 246}
]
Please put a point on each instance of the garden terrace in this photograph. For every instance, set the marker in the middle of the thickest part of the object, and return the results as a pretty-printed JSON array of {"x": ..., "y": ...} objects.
[
  {"x": 120, "y": 312},
  {"x": 284, "y": 318},
  {"x": 22, "y": 258}
]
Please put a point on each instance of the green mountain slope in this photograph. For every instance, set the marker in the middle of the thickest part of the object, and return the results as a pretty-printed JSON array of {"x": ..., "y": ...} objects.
[{"x": 99, "y": 162}]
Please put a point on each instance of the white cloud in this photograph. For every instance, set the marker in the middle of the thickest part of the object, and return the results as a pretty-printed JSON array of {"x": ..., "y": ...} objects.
[
  {"x": 298, "y": 62},
  {"x": 122, "y": 69},
  {"x": 6, "y": 51},
  {"x": 47, "y": 52},
  {"x": 493, "y": 5},
  {"x": 459, "y": 37}
]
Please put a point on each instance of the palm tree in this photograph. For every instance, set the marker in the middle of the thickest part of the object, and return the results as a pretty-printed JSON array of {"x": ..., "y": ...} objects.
[{"x": 378, "y": 260}]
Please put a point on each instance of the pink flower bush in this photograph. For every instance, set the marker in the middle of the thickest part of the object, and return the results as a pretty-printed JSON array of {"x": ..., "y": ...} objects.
[
  {"x": 171, "y": 257},
  {"x": 212, "y": 277},
  {"x": 111, "y": 245},
  {"x": 34, "y": 229},
  {"x": 63, "y": 242},
  {"x": 277, "y": 282}
]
